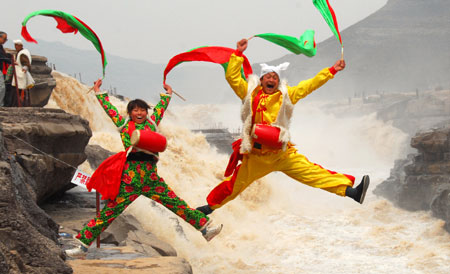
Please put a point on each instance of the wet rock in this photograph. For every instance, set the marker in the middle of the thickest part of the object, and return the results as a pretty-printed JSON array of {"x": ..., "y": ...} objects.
[
  {"x": 30, "y": 131},
  {"x": 440, "y": 204},
  {"x": 127, "y": 231},
  {"x": 422, "y": 182},
  {"x": 221, "y": 138},
  {"x": 28, "y": 236},
  {"x": 173, "y": 265},
  {"x": 96, "y": 155}
]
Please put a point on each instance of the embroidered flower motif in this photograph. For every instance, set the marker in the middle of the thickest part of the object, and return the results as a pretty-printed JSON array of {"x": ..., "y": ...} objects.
[
  {"x": 126, "y": 179},
  {"x": 202, "y": 222},
  {"x": 91, "y": 223},
  {"x": 133, "y": 197},
  {"x": 120, "y": 200},
  {"x": 111, "y": 220},
  {"x": 146, "y": 189},
  {"x": 129, "y": 189},
  {"x": 109, "y": 213},
  {"x": 153, "y": 176},
  {"x": 88, "y": 234},
  {"x": 131, "y": 173},
  {"x": 112, "y": 112},
  {"x": 171, "y": 194},
  {"x": 112, "y": 204},
  {"x": 160, "y": 189}
]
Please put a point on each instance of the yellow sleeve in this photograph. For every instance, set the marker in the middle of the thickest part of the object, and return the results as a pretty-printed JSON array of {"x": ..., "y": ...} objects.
[
  {"x": 306, "y": 87},
  {"x": 234, "y": 78}
]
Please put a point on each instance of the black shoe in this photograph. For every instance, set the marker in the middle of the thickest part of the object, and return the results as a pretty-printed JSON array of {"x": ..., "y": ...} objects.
[
  {"x": 362, "y": 189},
  {"x": 359, "y": 193},
  {"x": 205, "y": 209}
]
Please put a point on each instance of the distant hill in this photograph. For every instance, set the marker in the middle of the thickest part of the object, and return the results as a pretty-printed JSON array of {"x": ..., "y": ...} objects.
[
  {"x": 203, "y": 83},
  {"x": 403, "y": 46},
  {"x": 133, "y": 78}
]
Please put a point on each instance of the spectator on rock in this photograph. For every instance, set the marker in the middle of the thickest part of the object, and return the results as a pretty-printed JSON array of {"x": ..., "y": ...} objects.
[
  {"x": 22, "y": 69},
  {"x": 5, "y": 61}
]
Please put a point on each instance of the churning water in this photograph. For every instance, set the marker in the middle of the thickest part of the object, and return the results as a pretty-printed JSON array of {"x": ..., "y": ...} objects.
[{"x": 279, "y": 225}]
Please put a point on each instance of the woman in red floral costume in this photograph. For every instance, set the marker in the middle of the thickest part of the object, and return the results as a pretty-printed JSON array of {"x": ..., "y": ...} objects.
[{"x": 139, "y": 175}]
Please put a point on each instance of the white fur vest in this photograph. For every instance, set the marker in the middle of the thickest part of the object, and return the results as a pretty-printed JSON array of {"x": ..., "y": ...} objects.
[{"x": 283, "y": 118}]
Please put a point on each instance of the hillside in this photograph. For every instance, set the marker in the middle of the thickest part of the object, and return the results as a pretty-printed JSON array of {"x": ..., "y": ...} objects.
[{"x": 401, "y": 47}]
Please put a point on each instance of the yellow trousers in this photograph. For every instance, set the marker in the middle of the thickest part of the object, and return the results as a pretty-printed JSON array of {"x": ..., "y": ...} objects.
[{"x": 290, "y": 162}]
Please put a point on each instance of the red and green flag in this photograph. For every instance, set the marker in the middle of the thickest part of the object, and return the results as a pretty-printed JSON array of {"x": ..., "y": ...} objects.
[
  {"x": 67, "y": 23},
  {"x": 217, "y": 55},
  {"x": 330, "y": 17},
  {"x": 303, "y": 45}
]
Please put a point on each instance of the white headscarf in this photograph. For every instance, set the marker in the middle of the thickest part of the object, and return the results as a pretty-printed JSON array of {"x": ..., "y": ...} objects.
[
  {"x": 18, "y": 42},
  {"x": 265, "y": 68}
]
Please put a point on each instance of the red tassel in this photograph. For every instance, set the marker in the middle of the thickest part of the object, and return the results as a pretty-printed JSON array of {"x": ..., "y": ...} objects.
[
  {"x": 64, "y": 26},
  {"x": 27, "y": 36}
]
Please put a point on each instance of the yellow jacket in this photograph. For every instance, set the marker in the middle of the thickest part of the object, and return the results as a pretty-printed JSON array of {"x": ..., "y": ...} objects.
[{"x": 269, "y": 104}]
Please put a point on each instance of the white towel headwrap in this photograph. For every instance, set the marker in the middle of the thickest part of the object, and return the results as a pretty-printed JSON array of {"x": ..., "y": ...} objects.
[{"x": 265, "y": 68}]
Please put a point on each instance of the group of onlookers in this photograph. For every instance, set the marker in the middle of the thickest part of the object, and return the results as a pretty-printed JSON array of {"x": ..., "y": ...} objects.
[{"x": 16, "y": 80}]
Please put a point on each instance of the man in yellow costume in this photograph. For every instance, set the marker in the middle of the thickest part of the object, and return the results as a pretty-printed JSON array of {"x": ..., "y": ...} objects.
[{"x": 264, "y": 147}]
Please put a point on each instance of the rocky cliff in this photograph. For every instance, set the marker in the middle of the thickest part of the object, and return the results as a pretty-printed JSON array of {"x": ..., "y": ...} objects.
[
  {"x": 45, "y": 83},
  {"x": 28, "y": 236},
  {"x": 422, "y": 181}
]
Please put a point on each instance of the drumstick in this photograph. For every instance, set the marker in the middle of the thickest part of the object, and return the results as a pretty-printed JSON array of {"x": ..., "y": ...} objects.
[{"x": 177, "y": 94}]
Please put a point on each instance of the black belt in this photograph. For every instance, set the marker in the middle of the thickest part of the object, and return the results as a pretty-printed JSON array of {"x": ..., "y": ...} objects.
[
  {"x": 141, "y": 156},
  {"x": 257, "y": 145}
]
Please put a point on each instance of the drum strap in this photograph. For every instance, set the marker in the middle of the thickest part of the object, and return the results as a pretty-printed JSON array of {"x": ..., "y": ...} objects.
[
  {"x": 131, "y": 127},
  {"x": 255, "y": 105}
]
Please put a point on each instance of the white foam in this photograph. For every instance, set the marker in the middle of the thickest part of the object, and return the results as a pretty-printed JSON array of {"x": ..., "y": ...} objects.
[{"x": 278, "y": 225}]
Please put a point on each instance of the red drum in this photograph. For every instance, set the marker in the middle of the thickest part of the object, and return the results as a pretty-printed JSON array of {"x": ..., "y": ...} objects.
[
  {"x": 148, "y": 140},
  {"x": 267, "y": 135}
]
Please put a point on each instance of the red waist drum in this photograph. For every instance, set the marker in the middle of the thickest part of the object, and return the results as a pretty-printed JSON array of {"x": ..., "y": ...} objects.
[
  {"x": 267, "y": 135},
  {"x": 148, "y": 140}
]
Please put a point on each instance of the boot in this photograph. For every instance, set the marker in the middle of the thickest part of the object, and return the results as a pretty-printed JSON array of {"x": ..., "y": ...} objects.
[
  {"x": 79, "y": 251},
  {"x": 359, "y": 193},
  {"x": 210, "y": 231}
]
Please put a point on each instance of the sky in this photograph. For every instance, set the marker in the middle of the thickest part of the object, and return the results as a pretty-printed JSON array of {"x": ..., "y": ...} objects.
[{"x": 155, "y": 31}]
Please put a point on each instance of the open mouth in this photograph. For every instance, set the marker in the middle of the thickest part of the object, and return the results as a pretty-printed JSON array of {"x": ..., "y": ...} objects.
[
  {"x": 270, "y": 86},
  {"x": 139, "y": 117}
]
